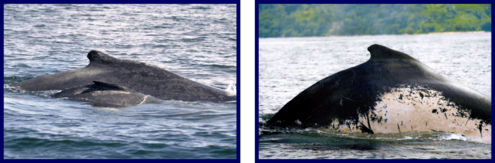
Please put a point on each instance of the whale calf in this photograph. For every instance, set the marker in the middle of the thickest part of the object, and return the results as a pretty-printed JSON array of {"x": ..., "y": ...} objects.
[
  {"x": 390, "y": 93},
  {"x": 104, "y": 94},
  {"x": 122, "y": 80}
]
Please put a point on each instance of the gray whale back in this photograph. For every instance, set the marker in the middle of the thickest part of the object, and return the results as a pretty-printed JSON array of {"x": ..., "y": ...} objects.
[{"x": 136, "y": 76}]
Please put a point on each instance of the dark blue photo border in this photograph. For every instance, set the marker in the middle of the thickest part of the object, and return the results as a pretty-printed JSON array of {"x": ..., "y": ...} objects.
[
  {"x": 258, "y": 2},
  {"x": 238, "y": 85}
]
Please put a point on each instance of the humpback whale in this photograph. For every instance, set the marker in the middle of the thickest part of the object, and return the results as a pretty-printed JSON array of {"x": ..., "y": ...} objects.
[
  {"x": 123, "y": 83},
  {"x": 392, "y": 92},
  {"x": 104, "y": 94}
]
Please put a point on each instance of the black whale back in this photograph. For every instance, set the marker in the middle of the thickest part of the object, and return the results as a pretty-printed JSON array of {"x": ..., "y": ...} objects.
[{"x": 348, "y": 93}]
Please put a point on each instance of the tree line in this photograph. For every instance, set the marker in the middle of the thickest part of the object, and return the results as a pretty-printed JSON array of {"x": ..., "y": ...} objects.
[{"x": 296, "y": 20}]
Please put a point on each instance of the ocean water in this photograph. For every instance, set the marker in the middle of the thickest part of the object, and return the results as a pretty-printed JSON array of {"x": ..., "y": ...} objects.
[
  {"x": 288, "y": 66},
  {"x": 197, "y": 41}
]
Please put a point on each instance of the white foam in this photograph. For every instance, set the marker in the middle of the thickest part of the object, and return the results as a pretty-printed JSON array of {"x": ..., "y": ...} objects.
[{"x": 231, "y": 89}]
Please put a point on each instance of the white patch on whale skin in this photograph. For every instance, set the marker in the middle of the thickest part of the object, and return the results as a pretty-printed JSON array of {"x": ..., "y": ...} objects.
[{"x": 407, "y": 109}]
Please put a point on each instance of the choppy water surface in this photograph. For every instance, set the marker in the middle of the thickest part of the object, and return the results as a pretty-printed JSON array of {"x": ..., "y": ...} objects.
[
  {"x": 287, "y": 66},
  {"x": 194, "y": 41}
]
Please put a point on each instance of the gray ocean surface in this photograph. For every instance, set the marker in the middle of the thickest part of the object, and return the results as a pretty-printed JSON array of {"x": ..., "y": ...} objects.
[
  {"x": 287, "y": 66},
  {"x": 194, "y": 41}
]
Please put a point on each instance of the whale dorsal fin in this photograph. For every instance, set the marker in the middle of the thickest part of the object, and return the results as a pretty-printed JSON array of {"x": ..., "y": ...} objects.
[
  {"x": 95, "y": 56},
  {"x": 106, "y": 86},
  {"x": 380, "y": 52}
]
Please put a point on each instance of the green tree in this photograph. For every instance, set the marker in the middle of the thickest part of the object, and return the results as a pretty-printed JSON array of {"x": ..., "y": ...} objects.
[{"x": 292, "y": 20}]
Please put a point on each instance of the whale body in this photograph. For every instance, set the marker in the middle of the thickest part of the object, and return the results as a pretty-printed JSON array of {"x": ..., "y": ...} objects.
[
  {"x": 104, "y": 94},
  {"x": 131, "y": 77},
  {"x": 390, "y": 93}
]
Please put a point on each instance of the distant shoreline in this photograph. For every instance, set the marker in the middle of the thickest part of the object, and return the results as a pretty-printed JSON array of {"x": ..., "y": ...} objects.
[
  {"x": 390, "y": 34},
  {"x": 458, "y": 32}
]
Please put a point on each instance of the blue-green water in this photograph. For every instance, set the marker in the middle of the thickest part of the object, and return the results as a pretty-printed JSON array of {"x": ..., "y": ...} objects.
[{"x": 194, "y": 41}]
